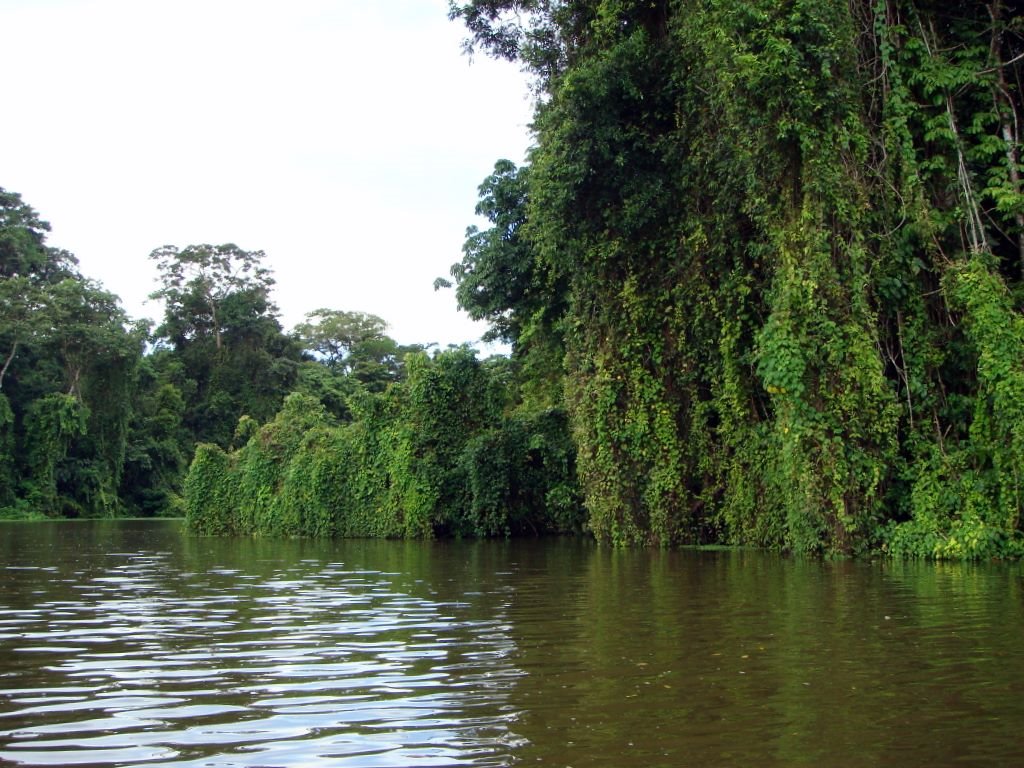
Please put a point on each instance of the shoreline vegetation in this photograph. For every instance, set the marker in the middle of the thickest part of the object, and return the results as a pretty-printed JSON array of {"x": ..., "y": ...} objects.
[{"x": 762, "y": 279}]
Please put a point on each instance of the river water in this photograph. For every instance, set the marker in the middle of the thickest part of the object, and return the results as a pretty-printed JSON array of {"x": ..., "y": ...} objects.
[{"x": 128, "y": 643}]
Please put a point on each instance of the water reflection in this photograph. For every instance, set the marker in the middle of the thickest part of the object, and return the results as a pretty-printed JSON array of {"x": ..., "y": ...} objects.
[
  {"x": 741, "y": 658},
  {"x": 128, "y": 644},
  {"x": 226, "y": 654}
]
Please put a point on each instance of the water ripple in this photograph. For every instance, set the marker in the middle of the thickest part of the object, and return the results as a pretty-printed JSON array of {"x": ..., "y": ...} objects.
[{"x": 307, "y": 665}]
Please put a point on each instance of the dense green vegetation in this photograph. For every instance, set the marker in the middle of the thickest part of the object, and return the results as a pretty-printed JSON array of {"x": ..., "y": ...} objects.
[
  {"x": 761, "y": 279},
  {"x": 435, "y": 455},
  {"x": 70, "y": 362},
  {"x": 784, "y": 243},
  {"x": 334, "y": 429}
]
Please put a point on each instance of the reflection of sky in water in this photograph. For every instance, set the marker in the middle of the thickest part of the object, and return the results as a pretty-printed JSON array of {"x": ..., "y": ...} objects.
[{"x": 307, "y": 665}]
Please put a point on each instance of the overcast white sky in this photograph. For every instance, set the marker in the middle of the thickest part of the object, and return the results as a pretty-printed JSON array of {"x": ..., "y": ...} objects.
[{"x": 346, "y": 138}]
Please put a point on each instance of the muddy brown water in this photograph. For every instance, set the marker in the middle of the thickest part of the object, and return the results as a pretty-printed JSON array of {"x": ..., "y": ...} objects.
[{"x": 128, "y": 643}]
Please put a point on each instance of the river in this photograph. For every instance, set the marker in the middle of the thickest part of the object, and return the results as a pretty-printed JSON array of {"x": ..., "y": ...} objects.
[{"x": 127, "y": 643}]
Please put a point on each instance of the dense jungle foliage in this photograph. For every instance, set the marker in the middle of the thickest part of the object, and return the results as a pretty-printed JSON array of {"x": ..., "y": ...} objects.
[
  {"x": 762, "y": 277},
  {"x": 99, "y": 414},
  {"x": 333, "y": 429},
  {"x": 70, "y": 360},
  {"x": 438, "y": 454},
  {"x": 781, "y": 247}
]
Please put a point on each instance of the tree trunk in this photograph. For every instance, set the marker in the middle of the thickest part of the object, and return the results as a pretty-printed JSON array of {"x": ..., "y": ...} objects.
[
  {"x": 7, "y": 363},
  {"x": 1008, "y": 121}
]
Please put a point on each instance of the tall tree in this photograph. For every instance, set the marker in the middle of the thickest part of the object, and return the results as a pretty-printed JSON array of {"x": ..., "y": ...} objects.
[
  {"x": 333, "y": 334},
  {"x": 87, "y": 326},
  {"x": 354, "y": 344},
  {"x": 199, "y": 280},
  {"x": 221, "y": 324}
]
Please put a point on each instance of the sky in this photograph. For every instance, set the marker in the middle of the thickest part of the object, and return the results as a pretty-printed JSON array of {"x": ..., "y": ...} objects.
[{"x": 345, "y": 138}]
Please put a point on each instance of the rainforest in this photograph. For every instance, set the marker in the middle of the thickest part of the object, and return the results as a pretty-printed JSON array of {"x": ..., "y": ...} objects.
[{"x": 761, "y": 279}]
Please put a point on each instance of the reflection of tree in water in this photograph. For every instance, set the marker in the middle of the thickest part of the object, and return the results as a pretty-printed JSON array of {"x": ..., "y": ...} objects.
[{"x": 732, "y": 657}]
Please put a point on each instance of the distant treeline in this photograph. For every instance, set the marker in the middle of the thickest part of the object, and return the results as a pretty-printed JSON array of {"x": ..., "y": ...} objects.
[{"x": 332, "y": 429}]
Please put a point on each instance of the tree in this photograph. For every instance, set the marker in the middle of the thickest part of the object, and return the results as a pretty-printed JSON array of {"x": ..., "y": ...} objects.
[
  {"x": 354, "y": 344},
  {"x": 333, "y": 334},
  {"x": 499, "y": 279},
  {"x": 73, "y": 396},
  {"x": 87, "y": 326},
  {"x": 68, "y": 360},
  {"x": 200, "y": 280},
  {"x": 22, "y": 237},
  {"x": 28, "y": 269},
  {"x": 222, "y": 327},
  {"x": 505, "y": 279},
  {"x": 545, "y": 35},
  {"x": 20, "y": 300}
]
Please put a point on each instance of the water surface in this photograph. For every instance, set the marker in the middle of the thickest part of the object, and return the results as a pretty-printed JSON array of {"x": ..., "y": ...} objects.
[{"x": 127, "y": 643}]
